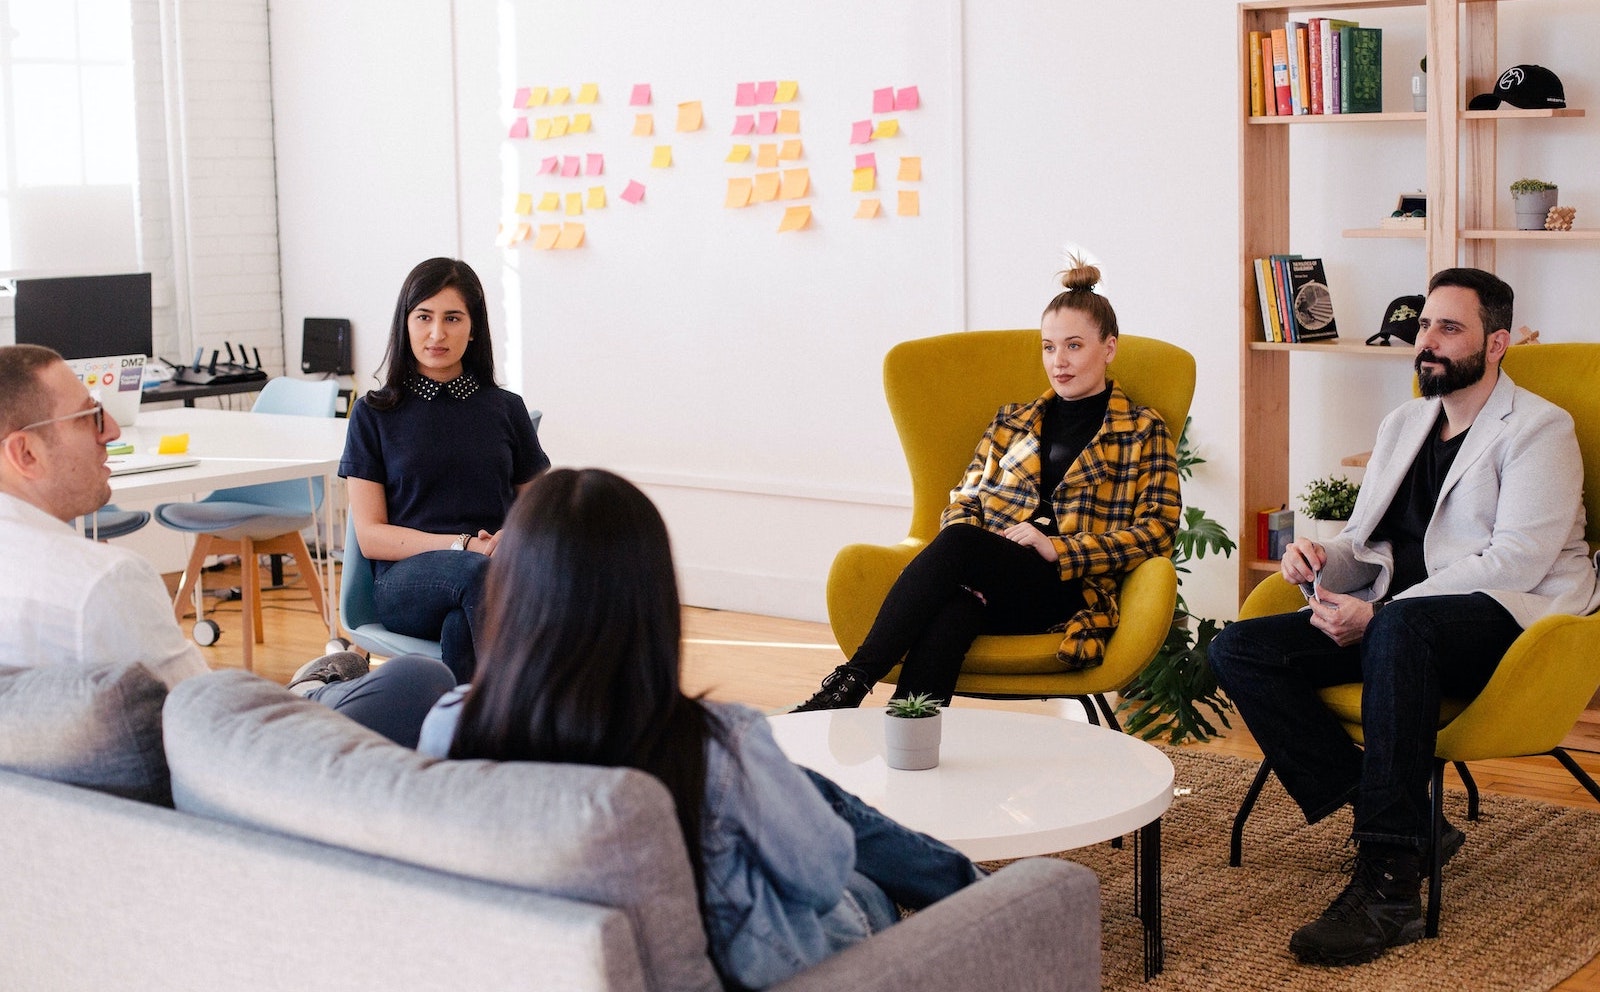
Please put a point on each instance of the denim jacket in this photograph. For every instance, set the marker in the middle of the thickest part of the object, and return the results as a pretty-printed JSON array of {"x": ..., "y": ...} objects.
[{"x": 776, "y": 856}]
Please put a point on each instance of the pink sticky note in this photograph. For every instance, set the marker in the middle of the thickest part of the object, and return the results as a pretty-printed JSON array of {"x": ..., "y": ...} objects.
[
  {"x": 744, "y": 124},
  {"x": 521, "y": 99},
  {"x": 569, "y": 166},
  {"x": 549, "y": 165},
  {"x": 907, "y": 98},
  {"x": 768, "y": 122},
  {"x": 867, "y": 160},
  {"x": 596, "y": 165},
  {"x": 883, "y": 100},
  {"x": 745, "y": 95},
  {"x": 860, "y": 132},
  {"x": 765, "y": 92},
  {"x": 519, "y": 128},
  {"x": 635, "y": 191},
  {"x": 641, "y": 95}
]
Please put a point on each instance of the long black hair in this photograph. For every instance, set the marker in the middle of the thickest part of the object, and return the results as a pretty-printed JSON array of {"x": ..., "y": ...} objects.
[
  {"x": 427, "y": 280},
  {"x": 581, "y": 647}
]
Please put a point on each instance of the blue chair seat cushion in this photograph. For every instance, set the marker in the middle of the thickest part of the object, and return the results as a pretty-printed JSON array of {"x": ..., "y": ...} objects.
[
  {"x": 109, "y": 521},
  {"x": 231, "y": 520}
]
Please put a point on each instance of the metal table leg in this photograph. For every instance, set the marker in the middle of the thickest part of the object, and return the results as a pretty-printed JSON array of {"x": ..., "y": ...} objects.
[{"x": 1147, "y": 894}]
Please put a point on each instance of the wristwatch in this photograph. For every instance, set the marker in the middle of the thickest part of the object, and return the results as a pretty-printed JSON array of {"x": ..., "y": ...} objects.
[{"x": 460, "y": 543}]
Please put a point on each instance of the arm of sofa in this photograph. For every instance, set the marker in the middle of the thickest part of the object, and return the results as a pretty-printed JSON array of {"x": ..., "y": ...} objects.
[{"x": 1033, "y": 925}]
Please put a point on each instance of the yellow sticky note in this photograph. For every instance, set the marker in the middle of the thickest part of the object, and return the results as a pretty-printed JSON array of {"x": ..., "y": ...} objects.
[
  {"x": 767, "y": 156},
  {"x": 571, "y": 236},
  {"x": 550, "y": 201},
  {"x": 561, "y": 94},
  {"x": 597, "y": 197},
  {"x": 589, "y": 93},
  {"x": 574, "y": 204},
  {"x": 766, "y": 187},
  {"x": 538, "y": 95},
  {"x": 864, "y": 180},
  {"x": 868, "y": 208},
  {"x": 690, "y": 116},
  {"x": 559, "y": 125},
  {"x": 580, "y": 124},
  {"x": 738, "y": 193},
  {"x": 910, "y": 168},
  {"x": 886, "y": 129},
  {"x": 547, "y": 236},
  {"x": 524, "y": 203},
  {"x": 541, "y": 128},
  {"x": 788, "y": 89},
  {"x": 661, "y": 157},
  {"x": 173, "y": 444},
  {"x": 791, "y": 150},
  {"x": 788, "y": 122},
  {"x": 644, "y": 125},
  {"x": 796, "y": 183},
  {"x": 739, "y": 153},
  {"x": 910, "y": 203},
  {"x": 795, "y": 219}
]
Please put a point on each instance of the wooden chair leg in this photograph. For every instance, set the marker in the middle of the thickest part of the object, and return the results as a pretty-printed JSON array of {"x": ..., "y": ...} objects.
[
  {"x": 1236, "y": 844},
  {"x": 250, "y": 590},
  {"x": 309, "y": 573},
  {"x": 191, "y": 575}
]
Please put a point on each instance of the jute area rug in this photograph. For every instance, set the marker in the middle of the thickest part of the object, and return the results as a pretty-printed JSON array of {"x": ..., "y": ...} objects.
[{"x": 1521, "y": 906}]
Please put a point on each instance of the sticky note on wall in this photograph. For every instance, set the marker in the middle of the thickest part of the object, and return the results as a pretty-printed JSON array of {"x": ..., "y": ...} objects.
[
  {"x": 690, "y": 116},
  {"x": 661, "y": 158},
  {"x": 910, "y": 203},
  {"x": 795, "y": 219},
  {"x": 633, "y": 192}
]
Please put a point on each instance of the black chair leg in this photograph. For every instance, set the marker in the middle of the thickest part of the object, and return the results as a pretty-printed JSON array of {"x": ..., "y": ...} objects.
[
  {"x": 1236, "y": 844},
  {"x": 1577, "y": 771},
  {"x": 1436, "y": 860},
  {"x": 1088, "y": 708},
  {"x": 1105, "y": 707},
  {"x": 1471, "y": 787}
]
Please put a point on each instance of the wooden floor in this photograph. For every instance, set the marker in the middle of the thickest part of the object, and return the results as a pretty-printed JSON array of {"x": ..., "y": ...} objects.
[{"x": 772, "y": 663}]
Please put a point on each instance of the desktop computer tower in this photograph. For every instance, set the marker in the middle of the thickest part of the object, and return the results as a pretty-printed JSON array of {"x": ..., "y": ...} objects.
[{"x": 325, "y": 346}]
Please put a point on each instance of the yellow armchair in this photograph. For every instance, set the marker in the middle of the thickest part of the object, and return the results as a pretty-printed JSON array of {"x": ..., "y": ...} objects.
[
  {"x": 943, "y": 392},
  {"x": 1551, "y": 671}
]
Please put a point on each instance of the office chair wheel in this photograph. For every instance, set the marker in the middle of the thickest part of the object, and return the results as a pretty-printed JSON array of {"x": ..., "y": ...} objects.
[
  {"x": 335, "y": 644},
  {"x": 205, "y": 632}
]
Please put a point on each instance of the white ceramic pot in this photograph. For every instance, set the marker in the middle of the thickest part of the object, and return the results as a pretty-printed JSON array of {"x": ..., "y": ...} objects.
[
  {"x": 1532, "y": 208},
  {"x": 1320, "y": 531},
  {"x": 911, "y": 743}
]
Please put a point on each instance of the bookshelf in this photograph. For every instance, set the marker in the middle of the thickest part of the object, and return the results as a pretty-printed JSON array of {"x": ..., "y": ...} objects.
[{"x": 1462, "y": 191}]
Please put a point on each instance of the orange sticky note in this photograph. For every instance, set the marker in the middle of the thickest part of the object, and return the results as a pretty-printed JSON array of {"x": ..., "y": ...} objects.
[
  {"x": 559, "y": 125},
  {"x": 538, "y": 95},
  {"x": 571, "y": 236},
  {"x": 796, "y": 183},
  {"x": 524, "y": 203},
  {"x": 589, "y": 92},
  {"x": 864, "y": 181},
  {"x": 644, "y": 125},
  {"x": 738, "y": 193},
  {"x": 886, "y": 129},
  {"x": 791, "y": 150},
  {"x": 521, "y": 234},
  {"x": 560, "y": 94},
  {"x": 661, "y": 157},
  {"x": 767, "y": 156},
  {"x": 597, "y": 197},
  {"x": 788, "y": 122},
  {"x": 868, "y": 208},
  {"x": 580, "y": 124},
  {"x": 910, "y": 168},
  {"x": 766, "y": 187},
  {"x": 550, "y": 201},
  {"x": 910, "y": 203},
  {"x": 173, "y": 444},
  {"x": 541, "y": 128},
  {"x": 689, "y": 116},
  {"x": 574, "y": 204},
  {"x": 547, "y": 237},
  {"x": 739, "y": 153},
  {"x": 788, "y": 89},
  {"x": 795, "y": 219}
]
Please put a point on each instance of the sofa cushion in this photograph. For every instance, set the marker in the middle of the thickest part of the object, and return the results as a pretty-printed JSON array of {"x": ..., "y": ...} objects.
[
  {"x": 243, "y": 750},
  {"x": 98, "y": 726}
]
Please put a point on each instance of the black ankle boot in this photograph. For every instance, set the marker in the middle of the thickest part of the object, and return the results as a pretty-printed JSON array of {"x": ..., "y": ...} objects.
[
  {"x": 1380, "y": 908},
  {"x": 842, "y": 690}
]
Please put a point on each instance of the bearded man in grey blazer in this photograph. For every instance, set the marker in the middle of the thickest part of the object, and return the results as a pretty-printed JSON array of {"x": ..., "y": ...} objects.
[{"x": 1468, "y": 528}]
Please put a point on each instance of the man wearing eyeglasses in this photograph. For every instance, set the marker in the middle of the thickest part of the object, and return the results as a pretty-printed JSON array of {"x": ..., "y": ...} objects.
[{"x": 64, "y": 599}]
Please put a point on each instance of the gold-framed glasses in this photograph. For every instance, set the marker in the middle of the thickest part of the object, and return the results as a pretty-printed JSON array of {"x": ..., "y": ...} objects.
[{"x": 98, "y": 412}]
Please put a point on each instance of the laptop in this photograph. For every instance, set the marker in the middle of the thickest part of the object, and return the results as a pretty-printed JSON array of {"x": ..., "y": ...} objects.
[
  {"x": 117, "y": 382},
  {"x": 134, "y": 464}
]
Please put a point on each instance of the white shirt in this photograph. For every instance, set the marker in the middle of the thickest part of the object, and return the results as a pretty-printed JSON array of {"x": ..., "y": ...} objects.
[{"x": 67, "y": 600}]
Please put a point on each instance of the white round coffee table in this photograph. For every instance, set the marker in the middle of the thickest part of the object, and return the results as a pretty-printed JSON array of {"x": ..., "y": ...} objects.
[{"x": 1008, "y": 785}]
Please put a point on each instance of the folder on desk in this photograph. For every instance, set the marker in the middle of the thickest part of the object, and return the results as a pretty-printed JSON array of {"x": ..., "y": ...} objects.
[{"x": 133, "y": 464}]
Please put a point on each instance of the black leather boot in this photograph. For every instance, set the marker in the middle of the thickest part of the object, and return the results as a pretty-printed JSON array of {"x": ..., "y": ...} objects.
[
  {"x": 844, "y": 689},
  {"x": 1380, "y": 908}
]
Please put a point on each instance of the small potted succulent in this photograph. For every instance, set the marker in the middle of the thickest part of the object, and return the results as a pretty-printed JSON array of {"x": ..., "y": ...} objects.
[
  {"x": 1532, "y": 199},
  {"x": 1327, "y": 504},
  {"x": 911, "y": 732}
]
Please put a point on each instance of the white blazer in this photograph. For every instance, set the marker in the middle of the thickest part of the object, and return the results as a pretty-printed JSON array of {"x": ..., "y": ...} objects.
[{"x": 1510, "y": 517}]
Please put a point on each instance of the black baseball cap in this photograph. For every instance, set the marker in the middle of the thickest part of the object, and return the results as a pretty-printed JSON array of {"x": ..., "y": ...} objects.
[
  {"x": 1400, "y": 320},
  {"x": 1529, "y": 87}
]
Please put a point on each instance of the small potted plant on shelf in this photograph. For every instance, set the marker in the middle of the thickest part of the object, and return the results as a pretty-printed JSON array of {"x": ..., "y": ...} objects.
[
  {"x": 1328, "y": 503},
  {"x": 1532, "y": 199},
  {"x": 911, "y": 732}
]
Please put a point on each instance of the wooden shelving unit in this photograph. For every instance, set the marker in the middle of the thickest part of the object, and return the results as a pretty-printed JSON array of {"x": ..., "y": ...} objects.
[{"x": 1462, "y": 190}]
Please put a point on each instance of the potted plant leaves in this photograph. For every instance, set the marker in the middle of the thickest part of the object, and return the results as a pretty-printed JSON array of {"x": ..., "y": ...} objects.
[
  {"x": 911, "y": 732},
  {"x": 1327, "y": 504},
  {"x": 1532, "y": 199}
]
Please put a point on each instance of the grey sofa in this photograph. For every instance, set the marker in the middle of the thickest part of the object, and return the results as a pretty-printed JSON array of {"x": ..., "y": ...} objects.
[{"x": 305, "y": 853}]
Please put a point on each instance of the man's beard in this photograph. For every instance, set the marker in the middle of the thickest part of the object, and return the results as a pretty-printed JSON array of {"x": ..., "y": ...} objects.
[{"x": 1459, "y": 374}]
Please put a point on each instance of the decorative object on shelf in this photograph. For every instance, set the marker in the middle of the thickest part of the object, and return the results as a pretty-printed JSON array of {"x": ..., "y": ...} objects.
[
  {"x": 1328, "y": 503},
  {"x": 1165, "y": 698},
  {"x": 1526, "y": 87},
  {"x": 1532, "y": 200},
  {"x": 1419, "y": 86},
  {"x": 1560, "y": 218},
  {"x": 1399, "y": 320},
  {"x": 1410, "y": 213},
  {"x": 911, "y": 732},
  {"x": 1527, "y": 336}
]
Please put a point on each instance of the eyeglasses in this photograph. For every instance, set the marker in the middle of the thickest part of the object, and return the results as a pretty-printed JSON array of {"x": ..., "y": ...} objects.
[{"x": 98, "y": 412}]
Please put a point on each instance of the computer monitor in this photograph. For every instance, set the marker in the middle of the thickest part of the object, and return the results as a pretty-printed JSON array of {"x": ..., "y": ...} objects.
[{"x": 86, "y": 316}]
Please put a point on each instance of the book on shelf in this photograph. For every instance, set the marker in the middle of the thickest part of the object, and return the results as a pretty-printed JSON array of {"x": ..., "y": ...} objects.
[
  {"x": 1361, "y": 54},
  {"x": 1295, "y": 36},
  {"x": 1280, "y": 71},
  {"x": 1280, "y": 292},
  {"x": 1334, "y": 75},
  {"x": 1269, "y": 305},
  {"x": 1310, "y": 302},
  {"x": 1314, "y": 64},
  {"x": 1274, "y": 531},
  {"x": 1269, "y": 91},
  {"x": 1331, "y": 26},
  {"x": 1256, "y": 106}
]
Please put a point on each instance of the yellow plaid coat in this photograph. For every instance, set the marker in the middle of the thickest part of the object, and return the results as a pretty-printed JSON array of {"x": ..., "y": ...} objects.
[{"x": 1117, "y": 505}]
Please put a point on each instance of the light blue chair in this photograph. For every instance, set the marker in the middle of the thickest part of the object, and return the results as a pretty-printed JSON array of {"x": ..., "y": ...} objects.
[
  {"x": 358, "y": 611},
  {"x": 255, "y": 520},
  {"x": 110, "y": 521}
]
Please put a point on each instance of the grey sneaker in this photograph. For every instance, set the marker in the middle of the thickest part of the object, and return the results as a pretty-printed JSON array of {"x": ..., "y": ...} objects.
[{"x": 341, "y": 666}]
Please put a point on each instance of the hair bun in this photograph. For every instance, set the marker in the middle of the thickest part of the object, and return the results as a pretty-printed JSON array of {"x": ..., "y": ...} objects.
[{"x": 1080, "y": 276}]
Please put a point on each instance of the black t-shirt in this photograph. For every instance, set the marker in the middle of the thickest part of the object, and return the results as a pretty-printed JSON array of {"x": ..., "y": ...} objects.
[
  {"x": 1405, "y": 523},
  {"x": 1065, "y": 430},
  {"x": 449, "y": 464}
]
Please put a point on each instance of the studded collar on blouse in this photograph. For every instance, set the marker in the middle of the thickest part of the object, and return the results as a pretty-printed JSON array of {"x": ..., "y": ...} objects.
[{"x": 460, "y": 387}]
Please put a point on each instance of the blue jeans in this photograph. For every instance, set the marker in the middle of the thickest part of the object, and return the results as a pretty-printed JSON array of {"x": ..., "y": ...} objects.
[
  {"x": 1414, "y": 652},
  {"x": 435, "y": 595},
  {"x": 393, "y": 698}
]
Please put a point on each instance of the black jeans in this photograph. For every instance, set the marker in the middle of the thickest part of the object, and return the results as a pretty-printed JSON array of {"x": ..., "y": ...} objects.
[
  {"x": 934, "y": 612},
  {"x": 1414, "y": 652}
]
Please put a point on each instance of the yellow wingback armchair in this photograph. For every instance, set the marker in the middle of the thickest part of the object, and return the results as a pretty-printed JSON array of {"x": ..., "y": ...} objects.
[
  {"x": 943, "y": 392},
  {"x": 1551, "y": 671}
]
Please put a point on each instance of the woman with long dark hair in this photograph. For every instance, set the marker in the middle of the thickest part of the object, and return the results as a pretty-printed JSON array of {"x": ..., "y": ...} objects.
[
  {"x": 434, "y": 460},
  {"x": 580, "y": 664}
]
